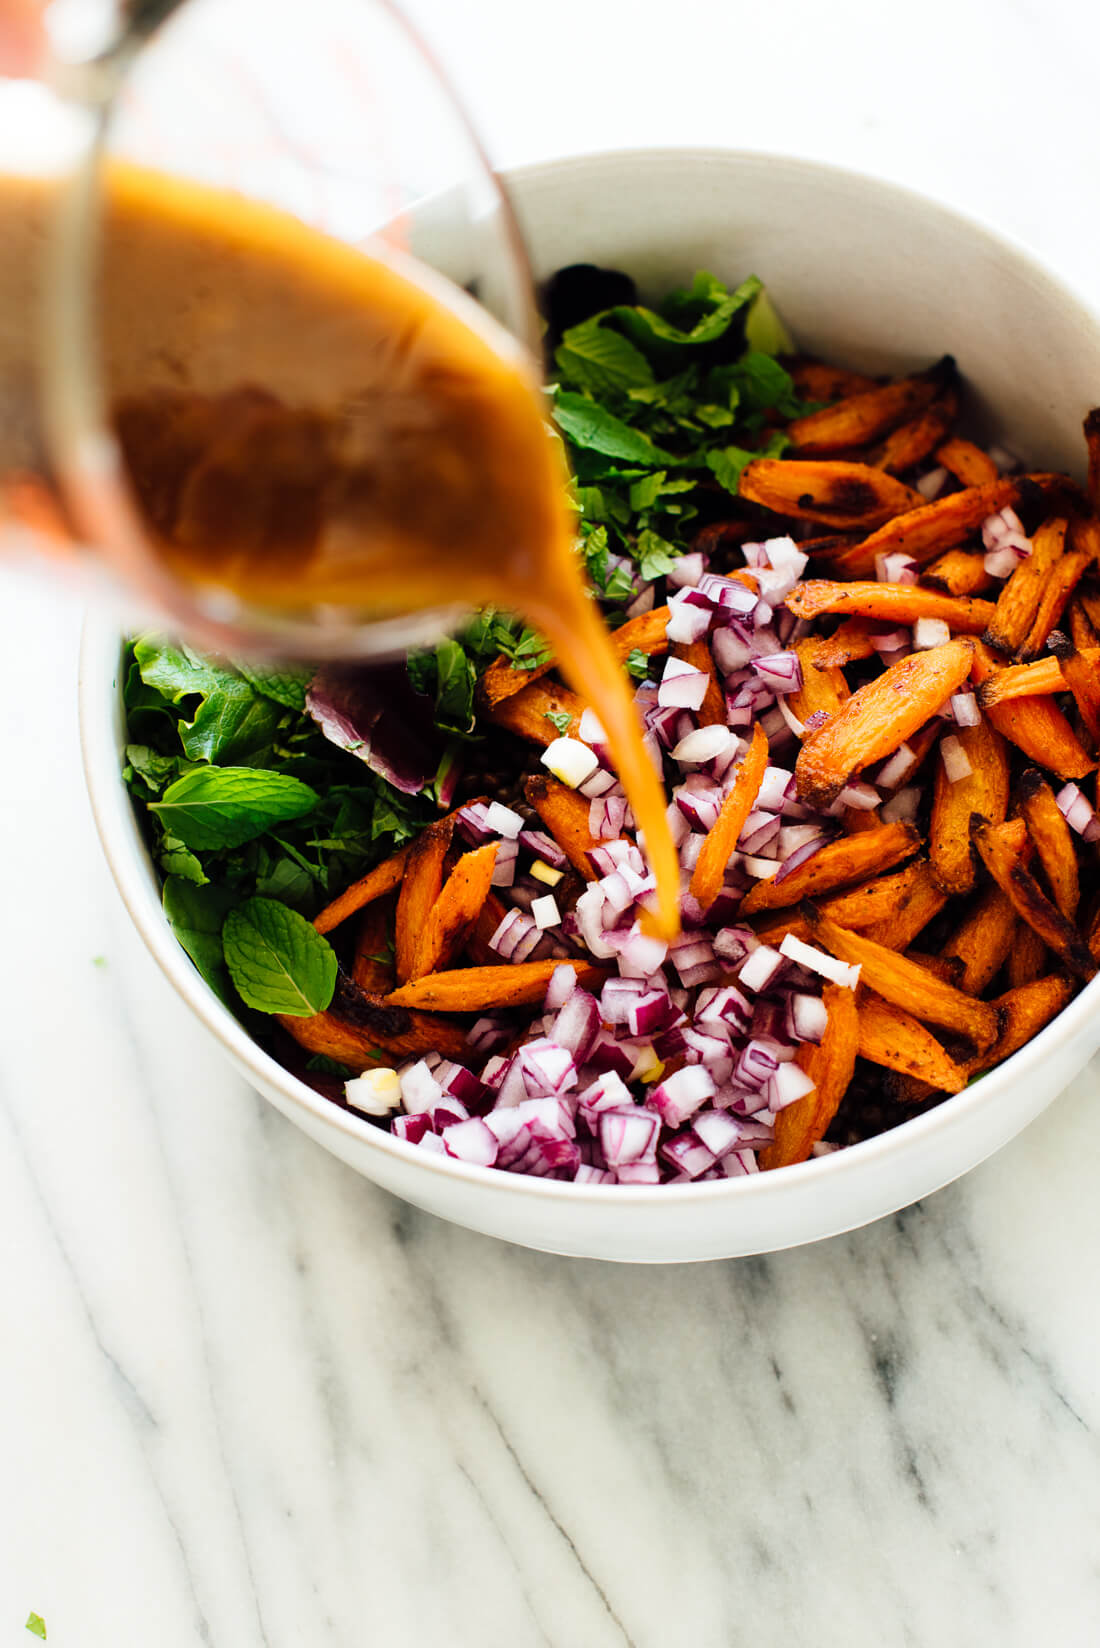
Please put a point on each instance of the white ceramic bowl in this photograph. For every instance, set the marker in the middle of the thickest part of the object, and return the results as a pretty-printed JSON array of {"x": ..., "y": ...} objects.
[{"x": 866, "y": 274}]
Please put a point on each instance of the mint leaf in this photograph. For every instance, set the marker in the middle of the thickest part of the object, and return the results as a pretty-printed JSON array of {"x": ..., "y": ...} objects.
[
  {"x": 559, "y": 720},
  {"x": 215, "y": 807},
  {"x": 644, "y": 493},
  {"x": 36, "y": 1625},
  {"x": 155, "y": 770},
  {"x": 590, "y": 425},
  {"x": 764, "y": 384},
  {"x": 277, "y": 960},
  {"x": 177, "y": 860},
  {"x": 454, "y": 694},
  {"x": 324, "y": 1066},
  {"x": 656, "y": 555},
  {"x": 637, "y": 664},
  {"x": 597, "y": 504},
  {"x": 283, "y": 686},
  {"x": 646, "y": 327},
  {"x": 195, "y": 915},
  {"x": 593, "y": 356}
]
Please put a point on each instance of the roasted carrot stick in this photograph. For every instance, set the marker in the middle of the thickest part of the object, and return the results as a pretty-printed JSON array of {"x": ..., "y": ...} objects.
[
  {"x": 836, "y": 494},
  {"x": 1052, "y": 838},
  {"x": 983, "y": 793},
  {"x": 967, "y": 462},
  {"x": 838, "y": 864},
  {"x": 454, "y": 914},
  {"x": 865, "y": 417},
  {"x": 474, "y": 989},
  {"x": 722, "y": 837},
  {"x": 420, "y": 889},
  {"x": 894, "y": 1039},
  {"x": 1030, "y": 902},
  {"x": 375, "y": 884},
  {"x": 830, "y": 1066},
  {"x": 889, "y": 603}
]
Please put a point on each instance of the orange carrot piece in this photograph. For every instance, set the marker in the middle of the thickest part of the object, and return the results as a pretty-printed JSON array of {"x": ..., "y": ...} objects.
[
  {"x": 474, "y": 989},
  {"x": 838, "y": 864},
  {"x": 823, "y": 688},
  {"x": 565, "y": 814},
  {"x": 1034, "y": 724},
  {"x": 816, "y": 380},
  {"x": 722, "y": 837},
  {"x": 983, "y": 793},
  {"x": 1080, "y": 672},
  {"x": 1052, "y": 839},
  {"x": 865, "y": 417},
  {"x": 375, "y": 884},
  {"x": 911, "y": 442},
  {"x": 420, "y": 888},
  {"x": 878, "y": 718},
  {"x": 454, "y": 914},
  {"x": 698, "y": 655},
  {"x": 926, "y": 531},
  {"x": 982, "y": 941},
  {"x": 889, "y": 604},
  {"x": 1030, "y": 902},
  {"x": 923, "y": 904},
  {"x": 967, "y": 462},
  {"x": 1018, "y": 603},
  {"x": 836, "y": 494},
  {"x": 958, "y": 572},
  {"x": 830, "y": 1066},
  {"x": 894, "y": 1039},
  {"x": 372, "y": 969},
  {"x": 645, "y": 633}
]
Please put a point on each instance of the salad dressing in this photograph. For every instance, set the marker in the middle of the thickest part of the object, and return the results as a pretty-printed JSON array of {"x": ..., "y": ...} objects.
[{"x": 304, "y": 424}]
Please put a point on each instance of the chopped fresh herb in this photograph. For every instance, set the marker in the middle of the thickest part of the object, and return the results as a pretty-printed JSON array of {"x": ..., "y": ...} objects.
[
  {"x": 324, "y": 1066},
  {"x": 656, "y": 555},
  {"x": 36, "y": 1625},
  {"x": 637, "y": 664},
  {"x": 226, "y": 806},
  {"x": 588, "y": 424},
  {"x": 559, "y": 720}
]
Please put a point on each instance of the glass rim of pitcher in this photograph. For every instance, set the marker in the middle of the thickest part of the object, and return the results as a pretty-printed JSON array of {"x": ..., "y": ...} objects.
[{"x": 86, "y": 457}]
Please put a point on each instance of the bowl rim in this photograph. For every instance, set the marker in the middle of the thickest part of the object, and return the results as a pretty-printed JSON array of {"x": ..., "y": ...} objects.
[{"x": 119, "y": 833}]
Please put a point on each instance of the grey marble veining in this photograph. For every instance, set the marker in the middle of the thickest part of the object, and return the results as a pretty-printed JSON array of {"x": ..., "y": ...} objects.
[{"x": 248, "y": 1400}]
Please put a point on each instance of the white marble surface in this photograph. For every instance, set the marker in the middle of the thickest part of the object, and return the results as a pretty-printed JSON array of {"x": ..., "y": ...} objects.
[{"x": 246, "y": 1399}]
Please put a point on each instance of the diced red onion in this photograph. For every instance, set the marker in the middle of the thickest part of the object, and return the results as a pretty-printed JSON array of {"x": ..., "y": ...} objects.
[
  {"x": 606, "y": 817},
  {"x": 956, "y": 763},
  {"x": 628, "y": 1136},
  {"x": 760, "y": 829},
  {"x": 1077, "y": 813},
  {"x": 516, "y": 936},
  {"x": 682, "y": 686},
  {"x": 548, "y": 1069},
  {"x": 687, "y": 1153},
  {"x": 1002, "y": 563},
  {"x": 781, "y": 670},
  {"x": 687, "y": 570},
  {"x": 799, "y": 857},
  {"x": 681, "y": 1094},
  {"x": 731, "y": 650},
  {"x": 930, "y": 632},
  {"x": 817, "y": 961},
  {"x": 702, "y": 744},
  {"x": 896, "y": 568},
  {"x": 860, "y": 797},
  {"x": 471, "y": 1141},
  {"x": 594, "y": 1175},
  {"x": 687, "y": 620},
  {"x": 905, "y": 804},
  {"x": 788, "y": 1083},
  {"x": 964, "y": 707},
  {"x": 411, "y": 1128},
  {"x": 503, "y": 820},
  {"x": 601, "y": 782},
  {"x": 504, "y": 867},
  {"x": 895, "y": 640},
  {"x": 763, "y": 968},
  {"x": 419, "y": 1089},
  {"x": 807, "y": 1017},
  {"x": 931, "y": 485},
  {"x": 896, "y": 768},
  {"x": 642, "y": 602},
  {"x": 471, "y": 823},
  {"x": 489, "y": 1032},
  {"x": 718, "y": 1130}
]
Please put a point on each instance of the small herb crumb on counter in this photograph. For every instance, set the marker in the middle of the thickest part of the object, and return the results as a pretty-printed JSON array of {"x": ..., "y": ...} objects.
[{"x": 865, "y": 652}]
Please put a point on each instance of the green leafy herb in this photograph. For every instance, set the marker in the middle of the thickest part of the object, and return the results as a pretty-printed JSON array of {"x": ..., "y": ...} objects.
[
  {"x": 196, "y": 915},
  {"x": 594, "y": 357},
  {"x": 455, "y": 682},
  {"x": 764, "y": 330},
  {"x": 277, "y": 960},
  {"x": 590, "y": 425},
  {"x": 231, "y": 719},
  {"x": 637, "y": 663},
  {"x": 284, "y": 686},
  {"x": 324, "y": 1066},
  {"x": 36, "y": 1625},
  {"x": 656, "y": 555},
  {"x": 226, "y": 806},
  {"x": 559, "y": 720}
]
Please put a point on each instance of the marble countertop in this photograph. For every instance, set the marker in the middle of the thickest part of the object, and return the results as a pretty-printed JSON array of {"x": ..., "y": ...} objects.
[{"x": 248, "y": 1400}]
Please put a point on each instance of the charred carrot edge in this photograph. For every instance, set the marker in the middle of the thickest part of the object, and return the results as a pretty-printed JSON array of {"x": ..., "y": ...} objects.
[
  {"x": 830, "y": 1066},
  {"x": 454, "y": 914},
  {"x": 697, "y": 653},
  {"x": 905, "y": 983},
  {"x": 894, "y": 1039},
  {"x": 646, "y": 633},
  {"x": 948, "y": 969},
  {"x": 1024, "y": 1010},
  {"x": 1052, "y": 839},
  {"x": 1018, "y": 603},
  {"x": 859, "y": 419},
  {"x": 474, "y": 989},
  {"x": 856, "y": 820},
  {"x": 849, "y": 642},
  {"x": 1081, "y": 631},
  {"x": 375, "y": 884},
  {"x": 889, "y": 604},
  {"x": 982, "y": 941},
  {"x": 926, "y": 531},
  {"x": 816, "y": 380},
  {"x": 958, "y": 572},
  {"x": 823, "y": 688},
  {"x": 838, "y": 864},
  {"x": 878, "y": 718},
  {"x": 420, "y": 888},
  {"x": 967, "y": 462},
  {"x": 1053, "y": 600},
  {"x": 834, "y": 493},
  {"x": 1080, "y": 672},
  {"x": 1030, "y": 902},
  {"x": 875, "y": 903},
  {"x": 372, "y": 969},
  {"x": 912, "y": 442},
  {"x": 722, "y": 837},
  {"x": 357, "y": 1028},
  {"x": 1034, "y": 724},
  {"x": 527, "y": 713},
  {"x": 565, "y": 814},
  {"x": 983, "y": 793},
  {"x": 1036, "y": 680},
  {"x": 923, "y": 904}
]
